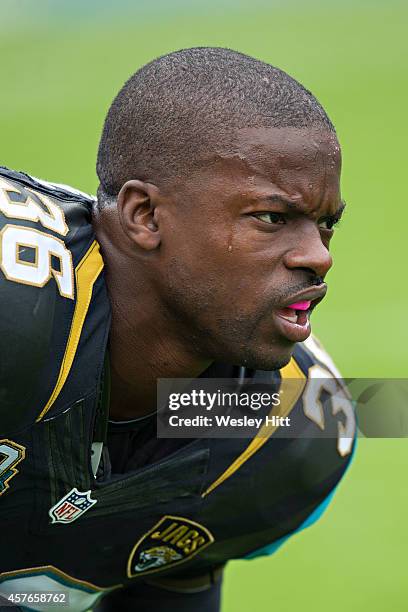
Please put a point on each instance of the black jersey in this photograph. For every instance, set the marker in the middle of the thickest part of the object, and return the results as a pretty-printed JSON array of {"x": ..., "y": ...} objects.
[{"x": 77, "y": 517}]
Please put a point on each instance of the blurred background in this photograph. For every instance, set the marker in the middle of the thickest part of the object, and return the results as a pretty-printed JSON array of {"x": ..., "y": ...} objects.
[{"x": 61, "y": 64}]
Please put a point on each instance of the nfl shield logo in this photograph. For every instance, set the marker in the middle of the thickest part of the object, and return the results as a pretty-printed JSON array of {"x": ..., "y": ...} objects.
[{"x": 71, "y": 506}]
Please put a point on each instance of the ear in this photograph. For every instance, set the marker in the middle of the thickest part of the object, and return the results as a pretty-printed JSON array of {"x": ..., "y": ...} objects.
[{"x": 137, "y": 213}]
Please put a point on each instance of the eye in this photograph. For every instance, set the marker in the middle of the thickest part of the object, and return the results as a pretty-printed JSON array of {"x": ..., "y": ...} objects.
[
  {"x": 328, "y": 223},
  {"x": 273, "y": 218}
]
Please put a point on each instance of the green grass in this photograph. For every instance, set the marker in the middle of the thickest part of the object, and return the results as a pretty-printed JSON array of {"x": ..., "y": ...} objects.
[{"x": 58, "y": 78}]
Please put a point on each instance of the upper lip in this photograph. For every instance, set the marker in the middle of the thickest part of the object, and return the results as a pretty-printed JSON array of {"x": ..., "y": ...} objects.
[{"x": 314, "y": 295}]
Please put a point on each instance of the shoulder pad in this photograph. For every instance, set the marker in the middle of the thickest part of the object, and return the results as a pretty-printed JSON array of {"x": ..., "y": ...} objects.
[
  {"x": 57, "y": 190},
  {"x": 311, "y": 352}
]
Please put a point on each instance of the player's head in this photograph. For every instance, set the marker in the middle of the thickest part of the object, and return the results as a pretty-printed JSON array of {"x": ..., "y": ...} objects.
[{"x": 225, "y": 173}]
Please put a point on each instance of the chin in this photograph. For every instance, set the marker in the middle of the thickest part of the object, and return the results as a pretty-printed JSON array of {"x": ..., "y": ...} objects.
[{"x": 268, "y": 359}]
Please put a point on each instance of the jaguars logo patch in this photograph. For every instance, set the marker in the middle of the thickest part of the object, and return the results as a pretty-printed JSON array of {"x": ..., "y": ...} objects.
[{"x": 171, "y": 541}]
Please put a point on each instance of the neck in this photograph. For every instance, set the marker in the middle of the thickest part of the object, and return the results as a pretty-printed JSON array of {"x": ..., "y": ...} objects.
[
  {"x": 145, "y": 342},
  {"x": 141, "y": 351}
]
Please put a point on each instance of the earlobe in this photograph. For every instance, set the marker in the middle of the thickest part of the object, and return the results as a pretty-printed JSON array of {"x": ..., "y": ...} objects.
[{"x": 137, "y": 213}]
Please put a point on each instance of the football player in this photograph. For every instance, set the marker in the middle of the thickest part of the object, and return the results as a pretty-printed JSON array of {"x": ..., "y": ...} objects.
[{"x": 204, "y": 255}]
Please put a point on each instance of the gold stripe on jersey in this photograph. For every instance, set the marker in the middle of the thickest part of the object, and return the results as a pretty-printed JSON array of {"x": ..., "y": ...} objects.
[
  {"x": 291, "y": 393},
  {"x": 86, "y": 274}
]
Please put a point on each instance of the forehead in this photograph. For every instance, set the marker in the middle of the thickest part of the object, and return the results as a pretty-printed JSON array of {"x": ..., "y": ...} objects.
[
  {"x": 292, "y": 144},
  {"x": 301, "y": 164}
]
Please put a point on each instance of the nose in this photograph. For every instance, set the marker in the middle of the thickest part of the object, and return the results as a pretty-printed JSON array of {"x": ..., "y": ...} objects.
[{"x": 309, "y": 251}]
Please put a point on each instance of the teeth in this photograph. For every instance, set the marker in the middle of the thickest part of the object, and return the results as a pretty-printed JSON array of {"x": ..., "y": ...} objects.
[
  {"x": 292, "y": 318},
  {"x": 296, "y": 317}
]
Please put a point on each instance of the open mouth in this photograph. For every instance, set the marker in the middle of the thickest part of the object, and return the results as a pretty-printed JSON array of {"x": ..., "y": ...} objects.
[
  {"x": 293, "y": 320},
  {"x": 297, "y": 313}
]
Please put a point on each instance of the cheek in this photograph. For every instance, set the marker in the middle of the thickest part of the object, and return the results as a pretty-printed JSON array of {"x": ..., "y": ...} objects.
[
  {"x": 228, "y": 266},
  {"x": 199, "y": 244}
]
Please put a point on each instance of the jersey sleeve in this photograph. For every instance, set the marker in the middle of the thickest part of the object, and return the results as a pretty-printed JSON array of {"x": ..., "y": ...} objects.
[{"x": 49, "y": 267}]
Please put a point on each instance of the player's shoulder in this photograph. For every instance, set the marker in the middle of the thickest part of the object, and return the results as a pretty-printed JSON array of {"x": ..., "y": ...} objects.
[
  {"x": 57, "y": 190},
  {"x": 314, "y": 360},
  {"x": 45, "y": 230},
  {"x": 49, "y": 264},
  {"x": 24, "y": 198}
]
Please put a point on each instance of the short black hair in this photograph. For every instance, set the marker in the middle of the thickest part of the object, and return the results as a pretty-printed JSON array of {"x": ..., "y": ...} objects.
[{"x": 175, "y": 109}]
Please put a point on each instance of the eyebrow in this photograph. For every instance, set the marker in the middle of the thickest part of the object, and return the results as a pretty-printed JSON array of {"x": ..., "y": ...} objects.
[{"x": 291, "y": 204}]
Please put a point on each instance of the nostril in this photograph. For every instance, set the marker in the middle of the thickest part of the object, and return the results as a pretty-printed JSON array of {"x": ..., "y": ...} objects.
[{"x": 314, "y": 279}]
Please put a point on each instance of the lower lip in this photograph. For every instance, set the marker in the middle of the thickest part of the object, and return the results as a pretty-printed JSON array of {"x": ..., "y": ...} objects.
[{"x": 292, "y": 331}]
